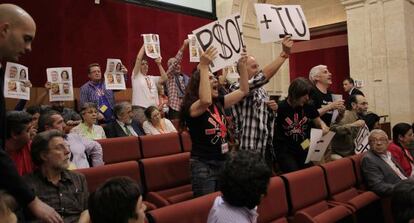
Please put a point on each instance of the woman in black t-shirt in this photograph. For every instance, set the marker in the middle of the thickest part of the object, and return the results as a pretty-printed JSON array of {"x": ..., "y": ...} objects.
[
  {"x": 294, "y": 117},
  {"x": 202, "y": 112}
]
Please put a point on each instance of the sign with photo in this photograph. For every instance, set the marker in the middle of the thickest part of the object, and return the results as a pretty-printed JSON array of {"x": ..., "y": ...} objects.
[
  {"x": 194, "y": 49},
  {"x": 16, "y": 77},
  {"x": 61, "y": 83},
  {"x": 152, "y": 45},
  {"x": 114, "y": 77}
]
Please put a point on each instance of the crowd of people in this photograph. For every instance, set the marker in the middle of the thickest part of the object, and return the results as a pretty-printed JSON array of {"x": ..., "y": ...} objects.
[{"x": 239, "y": 135}]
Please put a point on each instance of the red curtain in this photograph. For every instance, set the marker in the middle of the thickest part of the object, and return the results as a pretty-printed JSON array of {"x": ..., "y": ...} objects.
[
  {"x": 335, "y": 58},
  {"x": 76, "y": 33}
]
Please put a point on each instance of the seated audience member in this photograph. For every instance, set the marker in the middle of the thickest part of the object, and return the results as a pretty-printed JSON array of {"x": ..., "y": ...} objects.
[
  {"x": 156, "y": 124},
  {"x": 7, "y": 207},
  {"x": 18, "y": 140},
  {"x": 81, "y": 148},
  {"x": 163, "y": 104},
  {"x": 293, "y": 123},
  {"x": 348, "y": 127},
  {"x": 118, "y": 200},
  {"x": 64, "y": 190},
  {"x": 402, "y": 137},
  {"x": 402, "y": 202},
  {"x": 71, "y": 117},
  {"x": 144, "y": 86},
  {"x": 381, "y": 172},
  {"x": 88, "y": 128},
  {"x": 124, "y": 125},
  {"x": 372, "y": 121},
  {"x": 177, "y": 82},
  {"x": 243, "y": 183}
]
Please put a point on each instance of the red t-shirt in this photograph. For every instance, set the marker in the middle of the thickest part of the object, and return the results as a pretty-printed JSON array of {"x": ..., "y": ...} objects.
[
  {"x": 402, "y": 156},
  {"x": 22, "y": 159}
]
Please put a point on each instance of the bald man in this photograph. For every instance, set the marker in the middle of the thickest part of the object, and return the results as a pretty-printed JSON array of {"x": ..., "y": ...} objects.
[
  {"x": 254, "y": 116},
  {"x": 17, "y": 31}
]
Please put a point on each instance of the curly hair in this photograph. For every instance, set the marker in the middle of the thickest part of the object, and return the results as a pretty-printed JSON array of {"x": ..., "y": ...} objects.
[
  {"x": 190, "y": 96},
  {"x": 244, "y": 179}
]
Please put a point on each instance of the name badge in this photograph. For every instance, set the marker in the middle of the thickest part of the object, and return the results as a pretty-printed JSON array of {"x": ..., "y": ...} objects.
[
  {"x": 103, "y": 108},
  {"x": 305, "y": 144},
  {"x": 224, "y": 148}
]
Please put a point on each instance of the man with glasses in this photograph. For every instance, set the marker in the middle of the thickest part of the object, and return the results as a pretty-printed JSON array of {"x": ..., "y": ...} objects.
[
  {"x": 62, "y": 189},
  {"x": 348, "y": 127},
  {"x": 380, "y": 171},
  {"x": 124, "y": 125}
]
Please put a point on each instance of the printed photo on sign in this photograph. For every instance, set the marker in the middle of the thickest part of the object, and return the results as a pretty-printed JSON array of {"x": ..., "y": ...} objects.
[
  {"x": 277, "y": 21},
  {"x": 193, "y": 49},
  {"x": 361, "y": 141},
  {"x": 226, "y": 36},
  {"x": 61, "y": 84},
  {"x": 15, "y": 80},
  {"x": 318, "y": 145},
  {"x": 231, "y": 73},
  {"x": 335, "y": 97},
  {"x": 152, "y": 45},
  {"x": 113, "y": 76}
]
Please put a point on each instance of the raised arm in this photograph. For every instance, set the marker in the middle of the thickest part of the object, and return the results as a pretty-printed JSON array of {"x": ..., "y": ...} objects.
[
  {"x": 237, "y": 95},
  {"x": 204, "y": 91},
  {"x": 270, "y": 70},
  {"x": 137, "y": 67},
  {"x": 164, "y": 77},
  {"x": 178, "y": 58}
]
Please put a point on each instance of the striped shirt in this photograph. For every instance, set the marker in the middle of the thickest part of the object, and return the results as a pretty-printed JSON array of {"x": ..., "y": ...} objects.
[
  {"x": 222, "y": 212},
  {"x": 254, "y": 120}
]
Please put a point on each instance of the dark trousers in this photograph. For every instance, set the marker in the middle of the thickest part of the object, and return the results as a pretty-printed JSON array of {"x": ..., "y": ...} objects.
[
  {"x": 173, "y": 114},
  {"x": 289, "y": 162}
]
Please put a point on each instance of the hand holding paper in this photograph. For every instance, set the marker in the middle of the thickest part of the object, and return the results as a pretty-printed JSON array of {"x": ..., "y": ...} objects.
[{"x": 208, "y": 56}]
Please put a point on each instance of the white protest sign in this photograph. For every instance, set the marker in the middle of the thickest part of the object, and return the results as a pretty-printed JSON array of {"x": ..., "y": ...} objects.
[
  {"x": 61, "y": 85},
  {"x": 193, "y": 48},
  {"x": 277, "y": 21},
  {"x": 226, "y": 36},
  {"x": 361, "y": 141},
  {"x": 318, "y": 145},
  {"x": 114, "y": 77},
  {"x": 152, "y": 45},
  {"x": 16, "y": 75},
  {"x": 335, "y": 97}
]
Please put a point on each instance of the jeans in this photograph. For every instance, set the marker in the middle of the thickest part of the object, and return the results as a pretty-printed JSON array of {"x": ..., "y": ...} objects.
[{"x": 204, "y": 176}]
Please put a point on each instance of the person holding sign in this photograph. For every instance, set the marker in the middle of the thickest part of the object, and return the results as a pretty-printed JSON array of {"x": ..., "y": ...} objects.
[
  {"x": 144, "y": 86},
  {"x": 402, "y": 137},
  {"x": 253, "y": 118},
  {"x": 203, "y": 113},
  {"x": 348, "y": 127},
  {"x": 293, "y": 123},
  {"x": 95, "y": 91}
]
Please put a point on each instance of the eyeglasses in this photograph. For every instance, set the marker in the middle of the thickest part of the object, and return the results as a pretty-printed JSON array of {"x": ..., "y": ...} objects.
[{"x": 376, "y": 141}]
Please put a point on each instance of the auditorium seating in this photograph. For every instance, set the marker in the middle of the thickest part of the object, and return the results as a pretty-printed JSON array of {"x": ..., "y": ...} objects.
[
  {"x": 342, "y": 186},
  {"x": 185, "y": 141},
  {"x": 191, "y": 211},
  {"x": 274, "y": 206},
  {"x": 160, "y": 145},
  {"x": 356, "y": 161},
  {"x": 120, "y": 149},
  {"x": 167, "y": 179},
  {"x": 308, "y": 195}
]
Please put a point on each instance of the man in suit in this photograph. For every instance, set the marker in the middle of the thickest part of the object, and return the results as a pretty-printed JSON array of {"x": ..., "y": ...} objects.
[
  {"x": 17, "y": 31},
  {"x": 379, "y": 169},
  {"x": 349, "y": 87},
  {"x": 124, "y": 125}
]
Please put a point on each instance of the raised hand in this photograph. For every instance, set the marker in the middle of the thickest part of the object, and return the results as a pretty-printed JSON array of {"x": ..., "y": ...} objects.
[
  {"x": 287, "y": 44},
  {"x": 158, "y": 60},
  {"x": 208, "y": 56},
  {"x": 242, "y": 63}
]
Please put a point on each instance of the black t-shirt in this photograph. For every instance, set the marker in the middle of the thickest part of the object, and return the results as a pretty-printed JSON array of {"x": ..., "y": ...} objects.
[
  {"x": 319, "y": 99},
  {"x": 293, "y": 127},
  {"x": 205, "y": 133}
]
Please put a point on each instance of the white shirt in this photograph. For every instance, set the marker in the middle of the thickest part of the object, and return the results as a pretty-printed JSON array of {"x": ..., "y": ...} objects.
[
  {"x": 151, "y": 130},
  {"x": 144, "y": 90},
  {"x": 387, "y": 158},
  {"x": 222, "y": 212}
]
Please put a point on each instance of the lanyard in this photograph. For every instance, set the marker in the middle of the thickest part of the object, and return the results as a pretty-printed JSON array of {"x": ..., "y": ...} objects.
[{"x": 217, "y": 117}]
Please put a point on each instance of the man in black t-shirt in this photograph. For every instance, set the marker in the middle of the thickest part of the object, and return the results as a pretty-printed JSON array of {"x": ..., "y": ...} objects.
[
  {"x": 293, "y": 123},
  {"x": 320, "y": 96}
]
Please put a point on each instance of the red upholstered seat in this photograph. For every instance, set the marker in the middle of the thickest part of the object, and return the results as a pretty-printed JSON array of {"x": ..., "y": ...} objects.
[
  {"x": 120, "y": 149},
  {"x": 356, "y": 161},
  {"x": 341, "y": 184},
  {"x": 186, "y": 141},
  {"x": 95, "y": 176},
  {"x": 160, "y": 145},
  {"x": 167, "y": 179},
  {"x": 274, "y": 206},
  {"x": 308, "y": 195},
  {"x": 191, "y": 211}
]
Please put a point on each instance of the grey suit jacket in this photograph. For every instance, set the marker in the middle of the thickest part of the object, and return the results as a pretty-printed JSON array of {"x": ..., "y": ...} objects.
[{"x": 378, "y": 175}]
